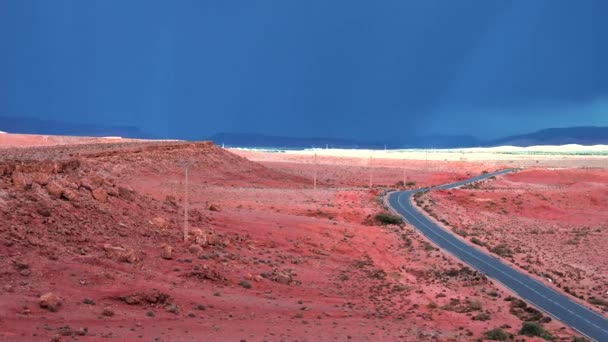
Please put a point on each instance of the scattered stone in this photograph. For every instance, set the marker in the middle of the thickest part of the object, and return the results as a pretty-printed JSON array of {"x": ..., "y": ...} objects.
[
  {"x": 44, "y": 211},
  {"x": 92, "y": 182},
  {"x": 20, "y": 265},
  {"x": 19, "y": 180},
  {"x": 195, "y": 249},
  {"x": 171, "y": 200},
  {"x": 172, "y": 308},
  {"x": 49, "y": 301},
  {"x": 126, "y": 193},
  {"x": 166, "y": 252},
  {"x": 54, "y": 189},
  {"x": 41, "y": 178},
  {"x": 112, "y": 192},
  {"x": 120, "y": 254},
  {"x": 88, "y": 301},
  {"x": 153, "y": 298},
  {"x": 159, "y": 222},
  {"x": 69, "y": 194},
  {"x": 100, "y": 195},
  {"x": 107, "y": 312}
]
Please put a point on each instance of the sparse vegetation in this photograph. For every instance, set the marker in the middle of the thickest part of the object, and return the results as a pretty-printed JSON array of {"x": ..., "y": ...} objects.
[
  {"x": 502, "y": 250},
  {"x": 496, "y": 334},
  {"x": 532, "y": 329},
  {"x": 388, "y": 218}
]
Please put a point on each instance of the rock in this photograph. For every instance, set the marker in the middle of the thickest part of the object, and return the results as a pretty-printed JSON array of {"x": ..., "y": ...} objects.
[
  {"x": 166, "y": 252},
  {"x": 70, "y": 165},
  {"x": 159, "y": 222},
  {"x": 92, "y": 182},
  {"x": 41, "y": 178},
  {"x": 49, "y": 301},
  {"x": 9, "y": 288},
  {"x": 107, "y": 312},
  {"x": 54, "y": 189},
  {"x": 47, "y": 167},
  {"x": 195, "y": 249},
  {"x": 19, "y": 180},
  {"x": 205, "y": 237},
  {"x": 20, "y": 265},
  {"x": 282, "y": 278},
  {"x": 126, "y": 193},
  {"x": 112, "y": 192},
  {"x": 100, "y": 195},
  {"x": 69, "y": 194},
  {"x": 120, "y": 254},
  {"x": 44, "y": 211},
  {"x": 25, "y": 272},
  {"x": 34, "y": 241},
  {"x": 170, "y": 199}
]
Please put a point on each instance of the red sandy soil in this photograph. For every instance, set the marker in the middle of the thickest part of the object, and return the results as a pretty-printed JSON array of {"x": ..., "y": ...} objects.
[
  {"x": 268, "y": 258},
  {"x": 348, "y": 171},
  {"x": 553, "y": 222},
  {"x": 20, "y": 140}
]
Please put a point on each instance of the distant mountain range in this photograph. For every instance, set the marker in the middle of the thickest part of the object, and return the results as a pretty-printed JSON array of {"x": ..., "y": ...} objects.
[
  {"x": 50, "y": 127},
  {"x": 551, "y": 136},
  {"x": 557, "y": 136}
]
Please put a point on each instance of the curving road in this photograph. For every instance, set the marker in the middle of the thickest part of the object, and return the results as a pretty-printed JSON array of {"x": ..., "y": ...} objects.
[{"x": 543, "y": 297}]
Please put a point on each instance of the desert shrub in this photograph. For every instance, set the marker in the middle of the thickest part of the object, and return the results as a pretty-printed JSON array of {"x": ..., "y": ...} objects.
[
  {"x": 478, "y": 242},
  {"x": 410, "y": 183},
  {"x": 245, "y": 284},
  {"x": 474, "y": 305},
  {"x": 532, "y": 329},
  {"x": 485, "y": 172},
  {"x": 388, "y": 218},
  {"x": 399, "y": 184},
  {"x": 502, "y": 249},
  {"x": 497, "y": 334},
  {"x": 598, "y": 301},
  {"x": 460, "y": 232},
  {"x": 482, "y": 316},
  {"x": 579, "y": 339}
]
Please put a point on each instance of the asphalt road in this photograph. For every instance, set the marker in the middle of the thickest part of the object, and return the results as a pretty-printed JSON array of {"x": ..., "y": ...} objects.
[{"x": 558, "y": 305}]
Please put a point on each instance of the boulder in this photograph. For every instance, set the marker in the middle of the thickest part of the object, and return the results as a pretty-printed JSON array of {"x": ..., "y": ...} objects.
[
  {"x": 126, "y": 193},
  {"x": 166, "y": 252},
  {"x": 54, "y": 189},
  {"x": 69, "y": 194},
  {"x": 195, "y": 249},
  {"x": 92, "y": 182},
  {"x": 120, "y": 254},
  {"x": 159, "y": 222},
  {"x": 112, "y": 191},
  {"x": 49, "y": 301},
  {"x": 47, "y": 167},
  {"x": 205, "y": 237},
  {"x": 19, "y": 180},
  {"x": 100, "y": 195},
  {"x": 41, "y": 178}
]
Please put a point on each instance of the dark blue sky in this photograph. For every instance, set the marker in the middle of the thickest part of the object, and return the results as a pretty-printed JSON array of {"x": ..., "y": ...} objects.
[{"x": 354, "y": 69}]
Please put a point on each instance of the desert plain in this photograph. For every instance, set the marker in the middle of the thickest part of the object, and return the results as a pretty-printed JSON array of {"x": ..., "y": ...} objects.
[{"x": 92, "y": 242}]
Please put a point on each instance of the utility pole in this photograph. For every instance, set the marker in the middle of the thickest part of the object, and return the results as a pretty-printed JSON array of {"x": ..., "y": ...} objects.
[
  {"x": 371, "y": 173},
  {"x": 186, "y": 165},
  {"x": 315, "y": 173},
  {"x": 403, "y": 167}
]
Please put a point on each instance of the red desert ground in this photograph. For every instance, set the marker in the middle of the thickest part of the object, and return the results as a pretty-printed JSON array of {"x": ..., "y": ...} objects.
[{"x": 91, "y": 242}]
